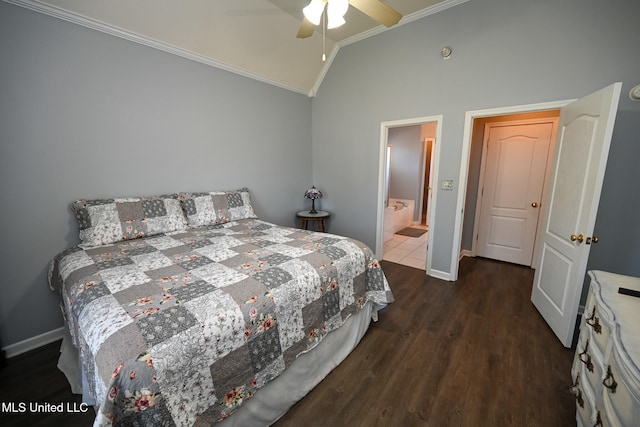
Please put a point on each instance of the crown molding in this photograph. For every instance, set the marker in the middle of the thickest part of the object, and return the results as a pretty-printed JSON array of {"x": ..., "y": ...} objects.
[
  {"x": 57, "y": 12},
  {"x": 405, "y": 20},
  {"x": 378, "y": 30},
  {"x": 65, "y": 15},
  {"x": 323, "y": 71}
]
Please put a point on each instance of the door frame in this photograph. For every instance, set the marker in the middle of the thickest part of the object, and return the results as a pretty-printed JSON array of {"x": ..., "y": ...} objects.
[
  {"x": 483, "y": 165},
  {"x": 425, "y": 178},
  {"x": 470, "y": 116},
  {"x": 384, "y": 138}
]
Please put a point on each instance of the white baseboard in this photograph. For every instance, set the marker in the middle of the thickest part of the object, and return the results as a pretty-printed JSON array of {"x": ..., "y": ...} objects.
[
  {"x": 34, "y": 342},
  {"x": 442, "y": 275},
  {"x": 464, "y": 253}
]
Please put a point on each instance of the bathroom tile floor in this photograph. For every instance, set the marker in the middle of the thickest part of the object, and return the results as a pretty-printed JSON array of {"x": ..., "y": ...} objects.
[{"x": 405, "y": 250}]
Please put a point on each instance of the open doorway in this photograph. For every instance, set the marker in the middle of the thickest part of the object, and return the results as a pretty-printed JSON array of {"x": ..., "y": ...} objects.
[
  {"x": 464, "y": 221},
  {"x": 408, "y": 165},
  {"x": 511, "y": 156}
]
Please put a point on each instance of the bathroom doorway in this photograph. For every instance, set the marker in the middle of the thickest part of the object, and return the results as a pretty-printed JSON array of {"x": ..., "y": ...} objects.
[{"x": 408, "y": 168}]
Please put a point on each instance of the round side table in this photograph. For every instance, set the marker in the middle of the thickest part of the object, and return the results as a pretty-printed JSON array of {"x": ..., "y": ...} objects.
[{"x": 318, "y": 218}]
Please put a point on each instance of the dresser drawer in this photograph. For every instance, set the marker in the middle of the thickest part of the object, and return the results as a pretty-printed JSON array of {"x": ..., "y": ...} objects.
[
  {"x": 585, "y": 401},
  {"x": 598, "y": 321},
  {"x": 608, "y": 354},
  {"x": 605, "y": 420},
  {"x": 621, "y": 392},
  {"x": 588, "y": 361}
]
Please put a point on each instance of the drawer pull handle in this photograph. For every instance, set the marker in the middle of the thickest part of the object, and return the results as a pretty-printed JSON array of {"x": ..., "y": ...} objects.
[
  {"x": 575, "y": 389},
  {"x": 586, "y": 357},
  {"x": 609, "y": 381},
  {"x": 598, "y": 420},
  {"x": 594, "y": 321}
]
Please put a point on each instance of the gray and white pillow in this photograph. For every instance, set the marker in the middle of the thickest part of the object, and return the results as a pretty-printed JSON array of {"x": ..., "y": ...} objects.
[
  {"x": 216, "y": 207},
  {"x": 105, "y": 221}
]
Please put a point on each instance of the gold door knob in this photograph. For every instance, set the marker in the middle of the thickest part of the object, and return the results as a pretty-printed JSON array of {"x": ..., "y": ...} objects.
[
  {"x": 534, "y": 204},
  {"x": 579, "y": 238}
]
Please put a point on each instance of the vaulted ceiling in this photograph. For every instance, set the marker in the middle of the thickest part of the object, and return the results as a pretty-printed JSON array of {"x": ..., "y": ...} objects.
[{"x": 255, "y": 38}]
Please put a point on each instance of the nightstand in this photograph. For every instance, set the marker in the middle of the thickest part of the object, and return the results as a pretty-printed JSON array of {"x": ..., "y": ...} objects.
[{"x": 318, "y": 218}]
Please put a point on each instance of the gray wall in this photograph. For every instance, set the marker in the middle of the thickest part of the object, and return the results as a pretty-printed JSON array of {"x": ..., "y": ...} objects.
[
  {"x": 618, "y": 221},
  {"x": 406, "y": 160},
  {"x": 505, "y": 53},
  {"x": 84, "y": 114},
  {"x": 88, "y": 115}
]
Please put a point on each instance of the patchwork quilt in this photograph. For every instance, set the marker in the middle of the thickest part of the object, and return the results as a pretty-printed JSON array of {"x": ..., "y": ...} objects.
[{"x": 182, "y": 328}]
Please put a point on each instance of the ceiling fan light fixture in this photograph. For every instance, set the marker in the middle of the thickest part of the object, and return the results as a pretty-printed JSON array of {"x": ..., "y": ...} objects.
[
  {"x": 313, "y": 11},
  {"x": 335, "y": 22},
  {"x": 336, "y": 11}
]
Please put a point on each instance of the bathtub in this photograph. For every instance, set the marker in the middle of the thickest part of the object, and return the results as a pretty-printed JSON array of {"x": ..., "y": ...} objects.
[{"x": 398, "y": 215}]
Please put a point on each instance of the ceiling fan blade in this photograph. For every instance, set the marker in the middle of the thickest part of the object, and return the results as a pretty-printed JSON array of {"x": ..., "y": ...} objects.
[
  {"x": 377, "y": 10},
  {"x": 306, "y": 29}
]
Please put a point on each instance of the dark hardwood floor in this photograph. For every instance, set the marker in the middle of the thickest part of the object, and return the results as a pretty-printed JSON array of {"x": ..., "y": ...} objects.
[
  {"x": 470, "y": 353},
  {"x": 474, "y": 352},
  {"x": 34, "y": 377}
]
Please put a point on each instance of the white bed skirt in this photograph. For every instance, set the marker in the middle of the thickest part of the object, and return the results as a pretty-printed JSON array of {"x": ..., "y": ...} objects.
[{"x": 274, "y": 399}]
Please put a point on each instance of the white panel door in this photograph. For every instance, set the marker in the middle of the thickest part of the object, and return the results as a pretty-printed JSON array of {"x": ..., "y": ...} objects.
[
  {"x": 582, "y": 148},
  {"x": 515, "y": 159}
]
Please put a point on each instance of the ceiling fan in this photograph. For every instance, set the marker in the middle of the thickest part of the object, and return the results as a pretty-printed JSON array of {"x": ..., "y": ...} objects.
[{"x": 336, "y": 9}]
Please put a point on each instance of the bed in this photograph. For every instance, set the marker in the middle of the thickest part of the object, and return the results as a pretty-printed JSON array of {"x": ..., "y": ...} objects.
[{"x": 187, "y": 309}]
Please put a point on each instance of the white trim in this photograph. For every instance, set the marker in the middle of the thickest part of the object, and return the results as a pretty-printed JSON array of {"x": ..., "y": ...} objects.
[
  {"x": 94, "y": 24},
  {"x": 439, "y": 7},
  {"x": 375, "y": 31},
  {"x": 424, "y": 146},
  {"x": 323, "y": 72},
  {"x": 464, "y": 163},
  {"x": 442, "y": 275},
  {"x": 384, "y": 136},
  {"x": 34, "y": 342}
]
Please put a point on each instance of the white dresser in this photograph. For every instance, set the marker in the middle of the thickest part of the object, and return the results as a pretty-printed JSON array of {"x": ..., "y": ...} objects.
[{"x": 606, "y": 366}]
